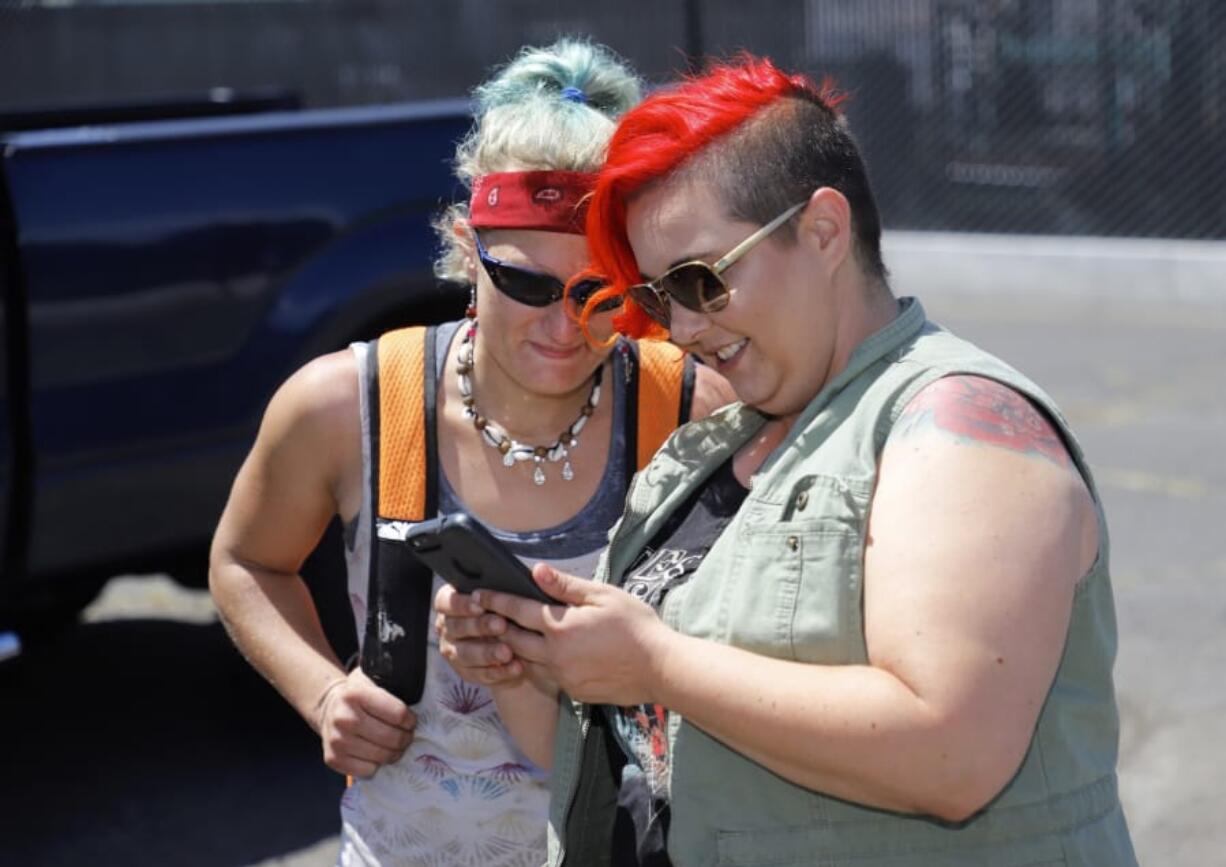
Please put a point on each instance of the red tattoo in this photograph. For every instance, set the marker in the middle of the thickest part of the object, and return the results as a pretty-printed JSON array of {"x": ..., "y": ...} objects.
[{"x": 984, "y": 411}]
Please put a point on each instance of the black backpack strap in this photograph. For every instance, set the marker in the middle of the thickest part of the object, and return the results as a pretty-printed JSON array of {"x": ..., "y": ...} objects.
[
  {"x": 630, "y": 360},
  {"x": 431, "y": 412},
  {"x": 688, "y": 376},
  {"x": 400, "y": 589},
  {"x": 659, "y": 396}
]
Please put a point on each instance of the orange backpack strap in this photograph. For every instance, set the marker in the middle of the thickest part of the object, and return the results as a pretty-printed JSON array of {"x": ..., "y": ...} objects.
[
  {"x": 665, "y": 392},
  {"x": 401, "y": 436},
  {"x": 401, "y": 391}
]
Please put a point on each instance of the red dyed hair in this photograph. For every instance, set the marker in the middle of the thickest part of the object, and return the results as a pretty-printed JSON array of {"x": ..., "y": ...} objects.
[{"x": 653, "y": 139}]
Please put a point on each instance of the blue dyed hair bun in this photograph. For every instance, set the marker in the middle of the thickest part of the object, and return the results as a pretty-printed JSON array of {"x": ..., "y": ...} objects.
[{"x": 550, "y": 108}]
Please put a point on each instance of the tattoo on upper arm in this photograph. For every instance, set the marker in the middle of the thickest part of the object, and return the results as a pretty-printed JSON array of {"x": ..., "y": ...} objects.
[{"x": 983, "y": 411}]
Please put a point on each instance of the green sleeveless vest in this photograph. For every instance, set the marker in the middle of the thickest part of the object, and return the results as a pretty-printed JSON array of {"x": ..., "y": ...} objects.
[{"x": 785, "y": 580}]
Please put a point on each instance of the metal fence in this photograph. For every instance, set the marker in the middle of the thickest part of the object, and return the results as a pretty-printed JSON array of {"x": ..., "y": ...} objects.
[{"x": 1082, "y": 117}]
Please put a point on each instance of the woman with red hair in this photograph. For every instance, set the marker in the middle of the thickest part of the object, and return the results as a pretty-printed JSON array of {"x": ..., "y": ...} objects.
[{"x": 864, "y": 615}]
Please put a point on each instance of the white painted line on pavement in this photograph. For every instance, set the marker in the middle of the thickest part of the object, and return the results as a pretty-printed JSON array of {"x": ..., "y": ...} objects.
[{"x": 1142, "y": 482}]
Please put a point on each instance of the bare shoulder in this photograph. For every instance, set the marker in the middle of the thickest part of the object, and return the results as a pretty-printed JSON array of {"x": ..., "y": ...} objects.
[
  {"x": 321, "y": 397},
  {"x": 711, "y": 391},
  {"x": 312, "y": 428},
  {"x": 970, "y": 455},
  {"x": 981, "y": 411},
  {"x": 304, "y": 467}
]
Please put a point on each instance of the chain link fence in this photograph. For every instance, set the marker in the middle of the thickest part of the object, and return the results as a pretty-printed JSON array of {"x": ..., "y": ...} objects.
[{"x": 1064, "y": 117}]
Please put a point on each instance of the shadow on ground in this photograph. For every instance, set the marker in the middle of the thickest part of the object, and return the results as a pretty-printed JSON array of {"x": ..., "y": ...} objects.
[{"x": 153, "y": 742}]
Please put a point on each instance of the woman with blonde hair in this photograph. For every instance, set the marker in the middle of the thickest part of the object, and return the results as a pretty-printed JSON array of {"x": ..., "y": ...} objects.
[{"x": 519, "y": 421}]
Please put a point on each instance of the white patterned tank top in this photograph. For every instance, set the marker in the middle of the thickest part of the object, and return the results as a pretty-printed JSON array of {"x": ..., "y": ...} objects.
[{"x": 463, "y": 794}]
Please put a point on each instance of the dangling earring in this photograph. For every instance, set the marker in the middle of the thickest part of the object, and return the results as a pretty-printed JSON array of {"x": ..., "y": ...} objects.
[{"x": 471, "y": 312}]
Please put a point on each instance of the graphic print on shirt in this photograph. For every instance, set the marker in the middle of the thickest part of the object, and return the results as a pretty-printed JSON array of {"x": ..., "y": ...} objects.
[
  {"x": 644, "y": 728},
  {"x": 658, "y": 572},
  {"x": 673, "y": 558},
  {"x": 647, "y": 735}
]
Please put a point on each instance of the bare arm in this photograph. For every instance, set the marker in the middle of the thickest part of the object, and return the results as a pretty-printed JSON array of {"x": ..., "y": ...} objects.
[
  {"x": 306, "y": 454},
  {"x": 979, "y": 531}
]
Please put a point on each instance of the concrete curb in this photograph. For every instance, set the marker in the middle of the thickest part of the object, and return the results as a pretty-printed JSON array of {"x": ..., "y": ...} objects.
[{"x": 1136, "y": 268}]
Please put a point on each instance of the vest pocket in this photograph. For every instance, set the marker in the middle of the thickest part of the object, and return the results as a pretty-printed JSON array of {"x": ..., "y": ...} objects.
[
  {"x": 850, "y": 846},
  {"x": 798, "y": 592}
]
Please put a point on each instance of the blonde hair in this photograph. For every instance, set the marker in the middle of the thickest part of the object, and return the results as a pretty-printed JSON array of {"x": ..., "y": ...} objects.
[{"x": 525, "y": 122}]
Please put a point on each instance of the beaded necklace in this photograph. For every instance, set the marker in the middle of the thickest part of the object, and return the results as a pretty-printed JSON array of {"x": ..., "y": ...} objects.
[{"x": 495, "y": 435}]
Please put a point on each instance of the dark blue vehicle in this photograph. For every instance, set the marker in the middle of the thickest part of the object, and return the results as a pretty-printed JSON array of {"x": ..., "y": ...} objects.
[{"x": 159, "y": 279}]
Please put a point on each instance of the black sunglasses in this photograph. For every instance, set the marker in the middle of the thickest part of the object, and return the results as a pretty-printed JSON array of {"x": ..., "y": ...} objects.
[
  {"x": 696, "y": 285},
  {"x": 534, "y": 288}
]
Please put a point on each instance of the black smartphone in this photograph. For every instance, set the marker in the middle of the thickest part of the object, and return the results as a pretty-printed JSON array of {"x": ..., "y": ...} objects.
[{"x": 468, "y": 557}]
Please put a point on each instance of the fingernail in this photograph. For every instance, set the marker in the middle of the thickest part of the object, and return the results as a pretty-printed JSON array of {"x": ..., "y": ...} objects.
[{"x": 476, "y": 601}]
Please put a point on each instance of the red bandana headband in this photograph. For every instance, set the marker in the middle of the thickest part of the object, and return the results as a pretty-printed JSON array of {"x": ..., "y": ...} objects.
[{"x": 549, "y": 201}]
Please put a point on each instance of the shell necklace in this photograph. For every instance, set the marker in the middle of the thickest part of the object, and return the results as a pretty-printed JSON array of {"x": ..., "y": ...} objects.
[{"x": 495, "y": 435}]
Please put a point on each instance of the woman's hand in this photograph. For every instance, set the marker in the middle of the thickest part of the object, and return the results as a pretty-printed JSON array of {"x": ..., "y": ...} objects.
[
  {"x": 471, "y": 640},
  {"x": 362, "y": 726},
  {"x": 601, "y": 646},
  {"x": 478, "y": 645}
]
